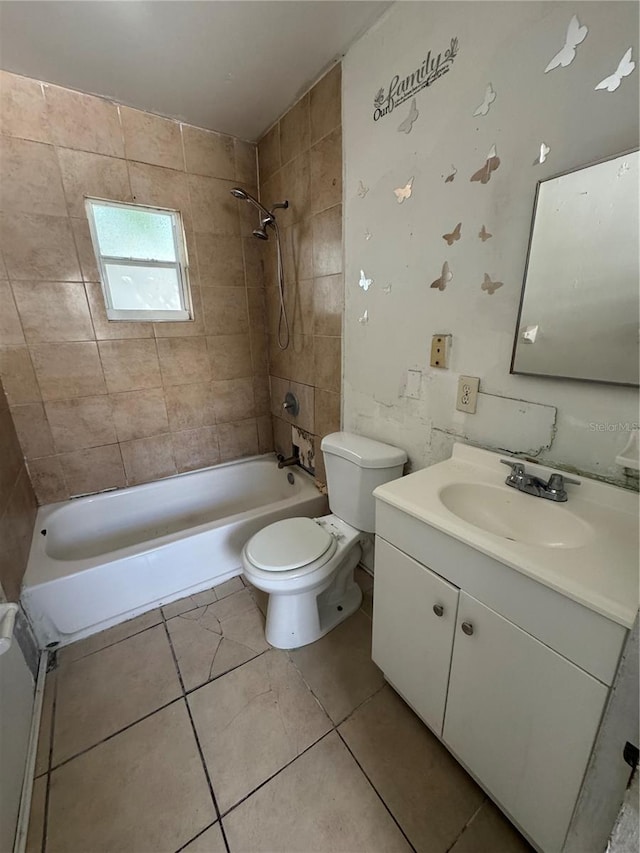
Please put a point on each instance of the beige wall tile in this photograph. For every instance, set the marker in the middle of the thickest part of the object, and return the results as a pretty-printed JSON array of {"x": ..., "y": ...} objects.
[
  {"x": 298, "y": 250},
  {"x": 30, "y": 178},
  {"x": 23, "y": 108},
  {"x": 183, "y": 360},
  {"x": 93, "y": 470},
  {"x": 129, "y": 365},
  {"x": 238, "y": 439},
  {"x": 305, "y": 396},
  {"x": 196, "y": 448},
  {"x": 265, "y": 434},
  {"x": 233, "y": 399},
  {"x": 328, "y": 303},
  {"x": 94, "y": 175},
  {"x": 253, "y": 251},
  {"x": 326, "y": 171},
  {"x": 327, "y": 242},
  {"x": 246, "y": 162},
  {"x": 184, "y": 328},
  {"x": 301, "y": 361},
  {"x": 328, "y": 363},
  {"x": 257, "y": 309},
  {"x": 48, "y": 480},
  {"x": 53, "y": 311},
  {"x": 11, "y": 458},
  {"x": 67, "y": 370},
  {"x": 161, "y": 187},
  {"x": 259, "y": 353},
  {"x": 220, "y": 260},
  {"x": 209, "y": 153},
  {"x": 282, "y": 437},
  {"x": 299, "y": 299},
  {"x": 151, "y": 139},
  {"x": 214, "y": 209},
  {"x": 190, "y": 406},
  {"x": 81, "y": 423},
  {"x": 271, "y": 190},
  {"x": 33, "y": 430},
  {"x": 84, "y": 247},
  {"x": 296, "y": 183},
  {"x": 112, "y": 329},
  {"x": 137, "y": 414},
  {"x": 229, "y": 356},
  {"x": 269, "y": 153},
  {"x": 10, "y": 327},
  {"x": 294, "y": 130},
  {"x": 16, "y": 528},
  {"x": 18, "y": 376},
  {"x": 327, "y": 412},
  {"x": 84, "y": 122},
  {"x": 326, "y": 103},
  {"x": 225, "y": 310},
  {"x": 147, "y": 459},
  {"x": 261, "y": 394},
  {"x": 36, "y": 246}
]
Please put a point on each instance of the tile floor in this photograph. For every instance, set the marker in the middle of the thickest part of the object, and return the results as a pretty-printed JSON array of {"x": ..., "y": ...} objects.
[{"x": 182, "y": 730}]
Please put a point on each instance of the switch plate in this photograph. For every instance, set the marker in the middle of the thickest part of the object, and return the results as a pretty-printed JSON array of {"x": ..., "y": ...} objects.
[
  {"x": 467, "y": 399},
  {"x": 412, "y": 388},
  {"x": 440, "y": 350}
]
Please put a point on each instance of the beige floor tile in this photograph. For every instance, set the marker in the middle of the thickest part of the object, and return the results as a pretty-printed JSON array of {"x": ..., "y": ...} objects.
[
  {"x": 102, "y": 693},
  {"x": 107, "y": 638},
  {"x": 427, "y": 791},
  {"x": 35, "y": 832},
  {"x": 491, "y": 832},
  {"x": 253, "y": 721},
  {"x": 321, "y": 802},
  {"x": 200, "y": 599},
  {"x": 212, "y": 640},
  {"x": 210, "y": 841},
  {"x": 143, "y": 791},
  {"x": 338, "y": 668},
  {"x": 44, "y": 735}
]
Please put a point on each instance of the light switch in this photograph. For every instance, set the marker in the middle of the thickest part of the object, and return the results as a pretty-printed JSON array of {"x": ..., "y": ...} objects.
[
  {"x": 467, "y": 399},
  {"x": 412, "y": 388}
]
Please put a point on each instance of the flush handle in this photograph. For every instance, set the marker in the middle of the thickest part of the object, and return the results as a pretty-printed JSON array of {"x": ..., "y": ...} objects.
[
  {"x": 438, "y": 609},
  {"x": 467, "y": 628}
]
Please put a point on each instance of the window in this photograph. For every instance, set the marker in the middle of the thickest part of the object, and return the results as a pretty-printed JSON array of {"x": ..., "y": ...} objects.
[{"x": 142, "y": 259}]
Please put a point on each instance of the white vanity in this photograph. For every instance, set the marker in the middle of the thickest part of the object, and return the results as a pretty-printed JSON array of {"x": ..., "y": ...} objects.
[{"x": 500, "y": 618}]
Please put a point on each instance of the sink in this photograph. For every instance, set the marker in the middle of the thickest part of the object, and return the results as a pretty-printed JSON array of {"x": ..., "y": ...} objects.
[{"x": 515, "y": 516}]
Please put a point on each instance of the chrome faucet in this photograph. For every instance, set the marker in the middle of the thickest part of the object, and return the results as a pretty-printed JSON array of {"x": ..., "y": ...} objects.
[
  {"x": 552, "y": 490},
  {"x": 292, "y": 460}
]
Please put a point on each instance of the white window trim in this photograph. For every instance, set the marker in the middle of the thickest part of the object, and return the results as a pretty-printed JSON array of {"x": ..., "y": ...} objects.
[{"x": 181, "y": 266}]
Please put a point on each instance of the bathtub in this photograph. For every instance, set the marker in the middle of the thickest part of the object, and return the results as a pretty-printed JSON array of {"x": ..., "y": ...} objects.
[{"x": 99, "y": 560}]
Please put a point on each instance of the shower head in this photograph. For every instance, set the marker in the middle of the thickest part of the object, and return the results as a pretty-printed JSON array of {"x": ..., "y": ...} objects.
[
  {"x": 238, "y": 192},
  {"x": 261, "y": 233},
  {"x": 266, "y": 216}
]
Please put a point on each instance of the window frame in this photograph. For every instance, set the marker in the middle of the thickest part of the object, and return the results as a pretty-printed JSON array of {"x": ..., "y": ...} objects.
[{"x": 181, "y": 266}]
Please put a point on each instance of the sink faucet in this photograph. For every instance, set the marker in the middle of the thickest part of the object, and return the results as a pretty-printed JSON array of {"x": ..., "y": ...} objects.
[{"x": 552, "y": 490}]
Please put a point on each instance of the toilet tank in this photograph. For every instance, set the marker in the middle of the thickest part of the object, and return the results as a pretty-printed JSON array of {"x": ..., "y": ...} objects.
[{"x": 355, "y": 467}]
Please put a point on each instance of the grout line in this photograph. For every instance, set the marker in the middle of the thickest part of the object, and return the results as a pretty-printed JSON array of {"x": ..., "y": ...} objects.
[
  {"x": 201, "y": 833},
  {"x": 378, "y": 794},
  {"x": 109, "y": 645},
  {"x": 45, "y": 820},
  {"x": 464, "y": 828}
]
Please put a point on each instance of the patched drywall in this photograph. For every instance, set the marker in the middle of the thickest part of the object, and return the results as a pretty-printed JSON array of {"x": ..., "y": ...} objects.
[{"x": 410, "y": 179}]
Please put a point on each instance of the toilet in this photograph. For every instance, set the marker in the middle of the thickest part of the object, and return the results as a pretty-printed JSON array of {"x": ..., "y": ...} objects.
[{"x": 307, "y": 565}]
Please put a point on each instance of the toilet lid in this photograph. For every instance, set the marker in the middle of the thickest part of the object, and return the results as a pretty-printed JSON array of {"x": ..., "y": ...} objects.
[{"x": 288, "y": 544}]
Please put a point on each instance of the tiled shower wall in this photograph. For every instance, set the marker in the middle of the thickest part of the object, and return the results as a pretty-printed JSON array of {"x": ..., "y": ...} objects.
[
  {"x": 100, "y": 404},
  {"x": 17, "y": 506},
  {"x": 301, "y": 160}
]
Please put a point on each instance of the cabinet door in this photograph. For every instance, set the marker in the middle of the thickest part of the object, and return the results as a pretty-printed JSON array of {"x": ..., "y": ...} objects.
[
  {"x": 411, "y": 642},
  {"x": 522, "y": 719}
]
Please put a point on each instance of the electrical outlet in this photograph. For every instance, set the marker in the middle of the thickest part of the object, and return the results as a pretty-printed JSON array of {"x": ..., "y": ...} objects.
[
  {"x": 467, "y": 399},
  {"x": 440, "y": 350}
]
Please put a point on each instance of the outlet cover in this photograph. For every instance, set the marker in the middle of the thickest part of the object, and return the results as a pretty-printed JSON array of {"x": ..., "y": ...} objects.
[
  {"x": 440, "y": 350},
  {"x": 467, "y": 399}
]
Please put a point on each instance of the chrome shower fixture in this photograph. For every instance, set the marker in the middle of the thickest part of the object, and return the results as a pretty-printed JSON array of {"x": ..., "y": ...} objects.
[{"x": 266, "y": 216}]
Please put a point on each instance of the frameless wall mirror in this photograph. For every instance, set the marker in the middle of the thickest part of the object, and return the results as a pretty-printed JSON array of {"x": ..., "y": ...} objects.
[{"x": 580, "y": 300}]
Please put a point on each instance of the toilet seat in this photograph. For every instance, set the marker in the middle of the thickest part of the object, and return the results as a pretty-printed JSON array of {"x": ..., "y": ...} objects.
[{"x": 285, "y": 546}]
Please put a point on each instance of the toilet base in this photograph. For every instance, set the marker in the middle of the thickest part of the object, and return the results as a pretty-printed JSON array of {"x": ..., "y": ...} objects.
[{"x": 301, "y": 618}]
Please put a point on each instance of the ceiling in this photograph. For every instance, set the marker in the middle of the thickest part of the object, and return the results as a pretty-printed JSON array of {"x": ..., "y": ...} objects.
[{"x": 230, "y": 65}]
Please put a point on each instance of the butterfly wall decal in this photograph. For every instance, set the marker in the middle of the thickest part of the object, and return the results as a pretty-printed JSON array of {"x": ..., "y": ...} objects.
[
  {"x": 625, "y": 67},
  {"x": 492, "y": 162},
  {"x": 368, "y": 235},
  {"x": 387, "y": 289},
  {"x": 451, "y": 175},
  {"x": 364, "y": 319},
  {"x": 365, "y": 283},
  {"x": 403, "y": 193},
  {"x": 484, "y": 235},
  {"x": 362, "y": 190},
  {"x": 542, "y": 156},
  {"x": 455, "y": 235},
  {"x": 445, "y": 277},
  {"x": 490, "y": 286},
  {"x": 406, "y": 125},
  {"x": 575, "y": 36},
  {"x": 489, "y": 98}
]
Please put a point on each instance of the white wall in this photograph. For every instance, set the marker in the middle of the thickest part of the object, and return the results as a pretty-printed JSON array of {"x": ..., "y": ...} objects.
[{"x": 509, "y": 45}]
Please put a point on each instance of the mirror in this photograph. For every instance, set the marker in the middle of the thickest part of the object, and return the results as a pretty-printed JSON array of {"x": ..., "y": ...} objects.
[{"x": 580, "y": 299}]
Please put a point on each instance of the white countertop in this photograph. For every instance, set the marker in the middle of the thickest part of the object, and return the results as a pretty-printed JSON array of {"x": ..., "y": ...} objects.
[{"x": 602, "y": 574}]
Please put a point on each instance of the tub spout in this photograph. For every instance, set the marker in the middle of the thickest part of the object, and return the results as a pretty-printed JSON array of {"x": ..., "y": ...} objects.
[{"x": 292, "y": 460}]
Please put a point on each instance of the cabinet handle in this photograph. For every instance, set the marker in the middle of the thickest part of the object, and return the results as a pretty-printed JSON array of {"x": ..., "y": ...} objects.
[
  {"x": 438, "y": 609},
  {"x": 467, "y": 628}
]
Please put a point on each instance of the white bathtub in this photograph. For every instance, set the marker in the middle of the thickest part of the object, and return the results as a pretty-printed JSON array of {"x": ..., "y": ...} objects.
[{"x": 100, "y": 560}]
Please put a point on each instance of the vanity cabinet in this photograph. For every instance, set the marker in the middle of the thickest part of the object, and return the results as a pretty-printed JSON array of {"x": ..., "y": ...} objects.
[{"x": 518, "y": 715}]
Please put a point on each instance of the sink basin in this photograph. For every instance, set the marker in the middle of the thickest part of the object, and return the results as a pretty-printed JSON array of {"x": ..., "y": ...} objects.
[{"x": 516, "y": 516}]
